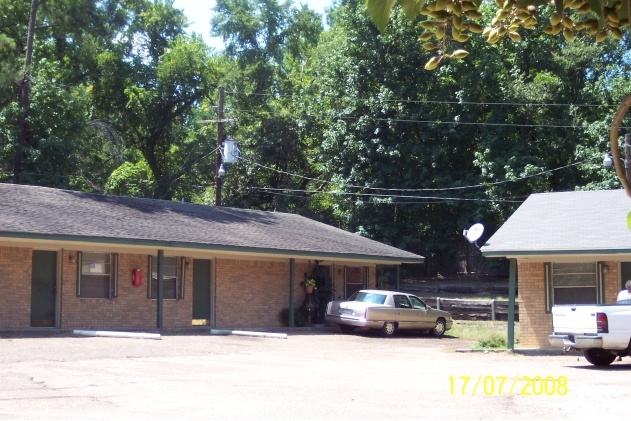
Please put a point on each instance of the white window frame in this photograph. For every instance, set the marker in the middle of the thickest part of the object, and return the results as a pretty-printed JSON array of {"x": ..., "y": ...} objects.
[
  {"x": 180, "y": 274},
  {"x": 550, "y": 287},
  {"x": 112, "y": 275}
]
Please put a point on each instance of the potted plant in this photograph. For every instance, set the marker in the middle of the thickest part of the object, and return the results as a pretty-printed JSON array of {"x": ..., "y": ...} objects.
[{"x": 310, "y": 285}]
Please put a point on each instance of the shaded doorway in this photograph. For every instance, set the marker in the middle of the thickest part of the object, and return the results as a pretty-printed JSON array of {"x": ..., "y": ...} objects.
[
  {"x": 625, "y": 274},
  {"x": 201, "y": 292},
  {"x": 43, "y": 288}
]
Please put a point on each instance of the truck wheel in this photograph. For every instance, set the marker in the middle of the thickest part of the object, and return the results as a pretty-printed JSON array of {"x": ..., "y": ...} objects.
[
  {"x": 598, "y": 356},
  {"x": 347, "y": 328}
]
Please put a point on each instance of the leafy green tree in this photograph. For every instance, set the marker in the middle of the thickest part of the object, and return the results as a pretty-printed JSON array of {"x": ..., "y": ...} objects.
[
  {"x": 270, "y": 42},
  {"x": 42, "y": 39},
  {"x": 149, "y": 88},
  {"x": 450, "y": 20},
  {"x": 390, "y": 126}
]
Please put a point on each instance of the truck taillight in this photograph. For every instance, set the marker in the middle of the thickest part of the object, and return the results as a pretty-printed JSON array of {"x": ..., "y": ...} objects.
[{"x": 602, "y": 325}]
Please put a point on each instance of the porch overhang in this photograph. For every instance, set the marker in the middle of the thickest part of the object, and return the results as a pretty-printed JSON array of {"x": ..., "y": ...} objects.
[{"x": 19, "y": 239}]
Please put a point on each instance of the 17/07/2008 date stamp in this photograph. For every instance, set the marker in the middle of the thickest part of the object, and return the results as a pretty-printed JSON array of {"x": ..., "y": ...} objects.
[{"x": 503, "y": 386}]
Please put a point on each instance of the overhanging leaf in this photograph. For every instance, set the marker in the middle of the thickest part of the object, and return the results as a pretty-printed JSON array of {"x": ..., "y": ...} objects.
[
  {"x": 412, "y": 8},
  {"x": 559, "y": 6},
  {"x": 624, "y": 10},
  {"x": 536, "y": 3},
  {"x": 379, "y": 11},
  {"x": 598, "y": 8}
]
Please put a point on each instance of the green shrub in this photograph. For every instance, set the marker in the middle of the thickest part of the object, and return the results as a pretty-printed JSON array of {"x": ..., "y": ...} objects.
[
  {"x": 493, "y": 341},
  {"x": 299, "y": 317}
]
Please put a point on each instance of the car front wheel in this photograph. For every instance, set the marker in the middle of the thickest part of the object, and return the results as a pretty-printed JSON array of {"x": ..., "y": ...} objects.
[
  {"x": 598, "y": 356},
  {"x": 388, "y": 329},
  {"x": 439, "y": 328}
]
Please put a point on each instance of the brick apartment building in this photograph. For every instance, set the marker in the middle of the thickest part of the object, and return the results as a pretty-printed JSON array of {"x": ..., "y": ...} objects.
[
  {"x": 74, "y": 260},
  {"x": 570, "y": 248}
]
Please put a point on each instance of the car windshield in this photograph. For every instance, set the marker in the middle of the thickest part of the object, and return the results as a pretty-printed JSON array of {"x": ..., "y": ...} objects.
[{"x": 369, "y": 297}]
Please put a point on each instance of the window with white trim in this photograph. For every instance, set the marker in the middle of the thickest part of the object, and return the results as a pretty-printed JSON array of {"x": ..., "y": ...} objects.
[
  {"x": 574, "y": 283},
  {"x": 97, "y": 275}
]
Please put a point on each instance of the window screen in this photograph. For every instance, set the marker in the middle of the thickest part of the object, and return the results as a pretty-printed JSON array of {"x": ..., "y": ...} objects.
[
  {"x": 169, "y": 278},
  {"x": 95, "y": 275},
  {"x": 574, "y": 283}
]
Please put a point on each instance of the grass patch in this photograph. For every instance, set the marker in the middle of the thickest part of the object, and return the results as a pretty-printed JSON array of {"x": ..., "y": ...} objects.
[
  {"x": 493, "y": 341},
  {"x": 487, "y": 334}
]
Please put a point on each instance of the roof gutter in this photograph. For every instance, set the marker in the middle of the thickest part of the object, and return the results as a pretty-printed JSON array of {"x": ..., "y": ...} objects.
[
  {"x": 210, "y": 247},
  {"x": 510, "y": 253}
]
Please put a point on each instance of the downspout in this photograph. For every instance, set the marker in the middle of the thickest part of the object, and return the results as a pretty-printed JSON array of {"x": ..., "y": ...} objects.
[
  {"x": 292, "y": 263},
  {"x": 160, "y": 287},
  {"x": 512, "y": 281}
]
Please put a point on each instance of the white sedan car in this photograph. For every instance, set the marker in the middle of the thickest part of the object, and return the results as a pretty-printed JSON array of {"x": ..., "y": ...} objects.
[{"x": 387, "y": 311}]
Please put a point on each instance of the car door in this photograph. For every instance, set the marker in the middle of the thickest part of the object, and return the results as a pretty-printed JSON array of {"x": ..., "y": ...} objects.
[
  {"x": 424, "y": 320},
  {"x": 405, "y": 315}
]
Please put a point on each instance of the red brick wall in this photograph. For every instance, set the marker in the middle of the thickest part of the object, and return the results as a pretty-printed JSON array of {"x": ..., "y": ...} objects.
[
  {"x": 131, "y": 310},
  {"x": 612, "y": 283},
  {"x": 251, "y": 294},
  {"x": 534, "y": 324},
  {"x": 15, "y": 284},
  {"x": 372, "y": 277},
  {"x": 248, "y": 294}
]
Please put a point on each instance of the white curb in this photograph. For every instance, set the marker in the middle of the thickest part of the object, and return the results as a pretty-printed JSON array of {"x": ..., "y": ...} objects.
[
  {"x": 246, "y": 333},
  {"x": 105, "y": 333}
]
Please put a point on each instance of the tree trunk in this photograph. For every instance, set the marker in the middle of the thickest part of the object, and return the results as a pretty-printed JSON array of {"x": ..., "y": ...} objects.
[{"x": 24, "y": 88}]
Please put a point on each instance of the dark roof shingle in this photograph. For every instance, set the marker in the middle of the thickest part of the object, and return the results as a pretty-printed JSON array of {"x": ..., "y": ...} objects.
[
  {"x": 574, "y": 222},
  {"x": 41, "y": 212}
]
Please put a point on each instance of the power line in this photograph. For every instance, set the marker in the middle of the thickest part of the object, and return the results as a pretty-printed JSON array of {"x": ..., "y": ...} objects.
[
  {"x": 371, "y": 202},
  {"x": 383, "y": 195},
  {"x": 428, "y": 101},
  {"x": 421, "y": 190},
  {"x": 399, "y": 120}
]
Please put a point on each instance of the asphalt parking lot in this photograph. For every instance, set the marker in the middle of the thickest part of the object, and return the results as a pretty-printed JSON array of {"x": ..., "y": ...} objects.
[{"x": 314, "y": 374}]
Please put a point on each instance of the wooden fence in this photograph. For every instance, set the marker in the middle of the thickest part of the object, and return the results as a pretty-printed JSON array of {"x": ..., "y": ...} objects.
[{"x": 473, "y": 309}]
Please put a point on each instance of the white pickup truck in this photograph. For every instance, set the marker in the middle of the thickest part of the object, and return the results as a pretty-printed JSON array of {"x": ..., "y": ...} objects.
[{"x": 602, "y": 331}]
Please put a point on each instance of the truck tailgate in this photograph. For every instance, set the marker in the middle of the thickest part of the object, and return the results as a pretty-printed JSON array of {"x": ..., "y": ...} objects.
[{"x": 574, "y": 319}]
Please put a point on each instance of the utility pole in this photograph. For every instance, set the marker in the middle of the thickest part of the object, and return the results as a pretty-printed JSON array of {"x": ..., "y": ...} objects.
[
  {"x": 219, "y": 140},
  {"x": 219, "y": 171},
  {"x": 24, "y": 90}
]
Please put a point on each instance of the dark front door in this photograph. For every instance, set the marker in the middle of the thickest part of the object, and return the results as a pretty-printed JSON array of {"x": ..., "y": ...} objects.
[
  {"x": 625, "y": 274},
  {"x": 201, "y": 292},
  {"x": 43, "y": 288}
]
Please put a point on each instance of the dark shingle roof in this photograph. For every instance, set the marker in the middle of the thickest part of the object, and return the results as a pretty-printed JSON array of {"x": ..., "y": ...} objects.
[
  {"x": 45, "y": 213},
  {"x": 576, "y": 222}
]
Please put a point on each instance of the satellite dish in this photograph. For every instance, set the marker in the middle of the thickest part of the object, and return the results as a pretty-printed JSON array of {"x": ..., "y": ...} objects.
[{"x": 474, "y": 233}]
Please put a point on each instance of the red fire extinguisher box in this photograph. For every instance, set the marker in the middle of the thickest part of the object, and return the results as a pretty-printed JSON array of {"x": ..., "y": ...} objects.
[{"x": 136, "y": 277}]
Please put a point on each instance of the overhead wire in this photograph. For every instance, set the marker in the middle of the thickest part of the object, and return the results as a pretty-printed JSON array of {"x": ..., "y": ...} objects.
[
  {"x": 428, "y": 101},
  {"x": 371, "y": 202},
  {"x": 423, "y": 189},
  {"x": 338, "y": 193},
  {"x": 438, "y": 122}
]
